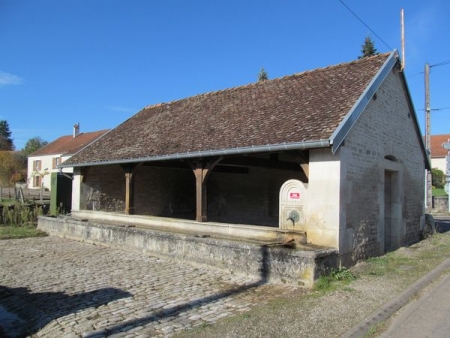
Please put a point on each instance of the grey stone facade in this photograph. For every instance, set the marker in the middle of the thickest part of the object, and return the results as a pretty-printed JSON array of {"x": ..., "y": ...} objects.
[{"x": 382, "y": 176}]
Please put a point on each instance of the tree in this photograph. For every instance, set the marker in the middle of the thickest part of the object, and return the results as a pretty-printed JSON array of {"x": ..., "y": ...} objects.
[
  {"x": 6, "y": 142},
  {"x": 438, "y": 178},
  {"x": 262, "y": 75},
  {"x": 368, "y": 48},
  {"x": 11, "y": 168},
  {"x": 33, "y": 144}
]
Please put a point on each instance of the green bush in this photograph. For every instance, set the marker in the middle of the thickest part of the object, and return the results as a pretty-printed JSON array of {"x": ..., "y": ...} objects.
[{"x": 437, "y": 178}]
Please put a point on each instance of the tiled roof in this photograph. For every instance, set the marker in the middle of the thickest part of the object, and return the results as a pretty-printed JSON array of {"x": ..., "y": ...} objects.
[
  {"x": 437, "y": 150},
  {"x": 68, "y": 145},
  {"x": 303, "y": 107}
]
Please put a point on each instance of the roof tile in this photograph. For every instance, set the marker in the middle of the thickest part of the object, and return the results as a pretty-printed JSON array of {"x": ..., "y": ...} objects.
[
  {"x": 68, "y": 145},
  {"x": 303, "y": 107},
  {"x": 436, "y": 141}
]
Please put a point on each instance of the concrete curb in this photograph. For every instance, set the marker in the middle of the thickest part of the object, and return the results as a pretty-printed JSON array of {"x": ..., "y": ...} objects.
[{"x": 389, "y": 308}]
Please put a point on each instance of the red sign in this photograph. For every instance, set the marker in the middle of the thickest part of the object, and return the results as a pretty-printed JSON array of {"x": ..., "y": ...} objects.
[{"x": 294, "y": 195}]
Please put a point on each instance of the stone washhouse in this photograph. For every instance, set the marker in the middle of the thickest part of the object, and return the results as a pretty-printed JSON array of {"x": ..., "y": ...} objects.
[{"x": 330, "y": 161}]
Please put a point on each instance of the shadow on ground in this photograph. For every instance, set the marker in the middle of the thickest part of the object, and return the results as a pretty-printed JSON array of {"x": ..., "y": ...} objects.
[
  {"x": 23, "y": 313},
  {"x": 442, "y": 225},
  {"x": 176, "y": 310}
]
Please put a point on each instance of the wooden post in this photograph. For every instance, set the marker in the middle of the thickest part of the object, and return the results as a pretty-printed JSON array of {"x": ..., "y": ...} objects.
[
  {"x": 201, "y": 172},
  {"x": 129, "y": 188},
  {"x": 200, "y": 186}
]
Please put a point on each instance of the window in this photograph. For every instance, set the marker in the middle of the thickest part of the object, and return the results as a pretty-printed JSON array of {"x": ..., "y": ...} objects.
[
  {"x": 56, "y": 162},
  {"x": 37, "y": 165},
  {"x": 37, "y": 181}
]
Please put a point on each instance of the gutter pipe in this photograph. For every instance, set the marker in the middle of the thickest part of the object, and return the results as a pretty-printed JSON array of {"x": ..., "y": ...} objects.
[{"x": 209, "y": 153}]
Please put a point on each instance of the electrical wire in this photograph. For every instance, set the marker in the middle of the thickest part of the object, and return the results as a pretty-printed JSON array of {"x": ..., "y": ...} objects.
[
  {"x": 415, "y": 74},
  {"x": 356, "y": 16},
  {"x": 435, "y": 109},
  {"x": 441, "y": 108},
  {"x": 443, "y": 63}
]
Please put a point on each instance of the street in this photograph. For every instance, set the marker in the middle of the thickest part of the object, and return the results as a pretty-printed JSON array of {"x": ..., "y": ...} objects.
[{"x": 427, "y": 315}]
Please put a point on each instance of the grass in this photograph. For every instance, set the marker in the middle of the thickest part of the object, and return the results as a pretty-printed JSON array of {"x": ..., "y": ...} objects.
[
  {"x": 439, "y": 192},
  {"x": 15, "y": 232},
  {"x": 375, "y": 330},
  {"x": 7, "y": 201},
  {"x": 337, "y": 279}
]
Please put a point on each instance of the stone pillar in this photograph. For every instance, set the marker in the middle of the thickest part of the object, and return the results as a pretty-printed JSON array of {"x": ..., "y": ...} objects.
[{"x": 78, "y": 176}]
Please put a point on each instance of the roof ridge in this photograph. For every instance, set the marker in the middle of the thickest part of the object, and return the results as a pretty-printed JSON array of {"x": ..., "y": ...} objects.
[{"x": 265, "y": 82}]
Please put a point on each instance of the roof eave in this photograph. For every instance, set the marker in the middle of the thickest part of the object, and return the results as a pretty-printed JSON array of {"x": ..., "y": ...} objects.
[
  {"x": 211, "y": 153},
  {"x": 355, "y": 112}
]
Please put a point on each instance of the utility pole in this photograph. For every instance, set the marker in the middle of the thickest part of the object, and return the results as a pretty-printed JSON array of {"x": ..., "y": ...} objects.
[
  {"x": 427, "y": 135},
  {"x": 402, "y": 28}
]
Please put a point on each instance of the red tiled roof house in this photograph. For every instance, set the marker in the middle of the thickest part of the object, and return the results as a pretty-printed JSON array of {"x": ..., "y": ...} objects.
[
  {"x": 45, "y": 160},
  {"x": 334, "y": 153},
  {"x": 438, "y": 152}
]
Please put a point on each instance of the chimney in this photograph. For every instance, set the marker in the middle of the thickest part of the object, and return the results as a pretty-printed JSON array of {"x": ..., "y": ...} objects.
[{"x": 76, "y": 130}]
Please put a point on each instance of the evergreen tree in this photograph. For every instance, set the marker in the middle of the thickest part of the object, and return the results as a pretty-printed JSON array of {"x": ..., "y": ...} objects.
[
  {"x": 33, "y": 144},
  {"x": 6, "y": 142},
  {"x": 262, "y": 75},
  {"x": 368, "y": 48}
]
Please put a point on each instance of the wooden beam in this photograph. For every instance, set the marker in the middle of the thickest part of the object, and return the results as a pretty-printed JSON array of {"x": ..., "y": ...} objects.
[
  {"x": 129, "y": 187},
  {"x": 201, "y": 171},
  {"x": 256, "y": 162},
  {"x": 83, "y": 173}
]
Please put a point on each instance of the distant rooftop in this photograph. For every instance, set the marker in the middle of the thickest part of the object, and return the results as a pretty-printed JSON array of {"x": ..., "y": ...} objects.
[
  {"x": 68, "y": 145},
  {"x": 436, "y": 141}
]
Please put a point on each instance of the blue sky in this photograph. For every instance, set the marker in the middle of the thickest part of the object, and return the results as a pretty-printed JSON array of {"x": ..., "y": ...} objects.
[{"x": 98, "y": 62}]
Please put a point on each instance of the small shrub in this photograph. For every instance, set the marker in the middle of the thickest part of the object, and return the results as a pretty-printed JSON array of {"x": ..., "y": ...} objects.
[
  {"x": 20, "y": 215},
  {"x": 342, "y": 275}
]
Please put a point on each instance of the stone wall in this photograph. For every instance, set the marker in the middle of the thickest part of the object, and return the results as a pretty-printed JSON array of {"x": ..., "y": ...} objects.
[
  {"x": 440, "y": 204},
  {"x": 324, "y": 209},
  {"x": 251, "y": 197},
  {"x": 268, "y": 263},
  {"x": 382, "y": 177},
  {"x": 164, "y": 192},
  {"x": 103, "y": 189}
]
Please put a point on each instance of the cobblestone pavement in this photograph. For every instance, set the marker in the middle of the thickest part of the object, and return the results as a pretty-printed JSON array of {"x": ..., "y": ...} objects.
[{"x": 53, "y": 287}]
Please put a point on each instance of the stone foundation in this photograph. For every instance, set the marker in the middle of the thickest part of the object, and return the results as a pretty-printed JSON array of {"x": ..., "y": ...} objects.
[{"x": 267, "y": 261}]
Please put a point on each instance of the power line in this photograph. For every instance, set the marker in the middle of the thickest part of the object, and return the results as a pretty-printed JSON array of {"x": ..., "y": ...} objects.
[
  {"x": 443, "y": 63},
  {"x": 365, "y": 24},
  {"x": 435, "y": 109},
  {"x": 414, "y": 74}
]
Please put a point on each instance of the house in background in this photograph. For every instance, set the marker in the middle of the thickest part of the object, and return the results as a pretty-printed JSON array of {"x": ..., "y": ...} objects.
[
  {"x": 335, "y": 154},
  {"x": 45, "y": 160},
  {"x": 438, "y": 152}
]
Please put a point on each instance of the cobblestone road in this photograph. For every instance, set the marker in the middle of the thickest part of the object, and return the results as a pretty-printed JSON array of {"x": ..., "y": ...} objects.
[{"x": 63, "y": 288}]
